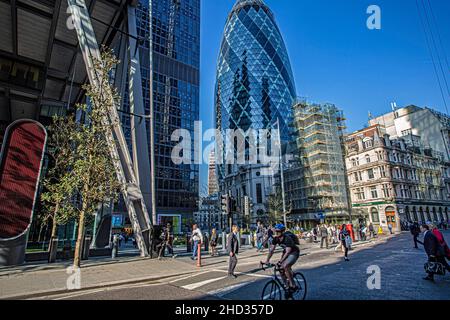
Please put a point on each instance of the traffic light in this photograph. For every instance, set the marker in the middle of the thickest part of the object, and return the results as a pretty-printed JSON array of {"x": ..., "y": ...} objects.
[
  {"x": 233, "y": 205},
  {"x": 225, "y": 205}
]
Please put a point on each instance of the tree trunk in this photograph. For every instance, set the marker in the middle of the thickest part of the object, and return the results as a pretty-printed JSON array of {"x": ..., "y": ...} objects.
[
  {"x": 53, "y": 246},
  {"x": 80, "y": 240},
  {"x": 41, "y": 227}
]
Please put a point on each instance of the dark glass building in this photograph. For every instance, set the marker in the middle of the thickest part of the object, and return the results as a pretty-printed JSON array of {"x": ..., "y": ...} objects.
[
  {"x": 176, "y": 64},
  {"x": 254, "y": 88}
]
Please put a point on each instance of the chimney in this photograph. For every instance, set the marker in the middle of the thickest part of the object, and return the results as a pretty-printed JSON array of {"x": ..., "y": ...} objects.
[{"x": 387, "y": 141}]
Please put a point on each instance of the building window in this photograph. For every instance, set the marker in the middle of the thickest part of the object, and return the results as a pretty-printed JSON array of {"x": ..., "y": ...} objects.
[
  {"x": 373, "y": 192},
  {"x": 375, "y": 216},
  {"x": 380, "y": 155},
  {"x": 368, "y": 143},
  {"x": 259, "y": 193},
  {"x": 407, "y": 132},
  {"x": 383, "y": 171},
  {"x": 359, "y": 192},
  {"x": 357, "y": 176},
  {"x": 367, "y": 158},
  {"x": 370, "y": 174},
  {"x": 386, "y": 192}
]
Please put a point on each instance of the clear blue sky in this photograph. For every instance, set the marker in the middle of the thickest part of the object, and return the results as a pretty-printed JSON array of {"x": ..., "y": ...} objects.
[{"x": 336, "y": 59}]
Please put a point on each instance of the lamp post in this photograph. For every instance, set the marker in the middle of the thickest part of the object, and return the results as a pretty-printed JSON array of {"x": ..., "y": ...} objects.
[
  {"x": 152, "y": 129},
  {"x": 282, "y": 174}
]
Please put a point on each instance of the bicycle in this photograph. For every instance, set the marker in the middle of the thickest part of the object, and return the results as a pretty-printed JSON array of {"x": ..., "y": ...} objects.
[{"x": 274, "y": 288}]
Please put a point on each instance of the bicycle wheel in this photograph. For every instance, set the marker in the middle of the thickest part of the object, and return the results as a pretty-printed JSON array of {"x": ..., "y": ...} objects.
[
  {"x": 300, "y": 282},
  {"x": 271, "y": 291}
]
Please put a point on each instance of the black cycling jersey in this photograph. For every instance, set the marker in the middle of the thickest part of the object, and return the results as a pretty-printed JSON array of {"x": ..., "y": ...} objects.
[{"x": 287, "y": 242}]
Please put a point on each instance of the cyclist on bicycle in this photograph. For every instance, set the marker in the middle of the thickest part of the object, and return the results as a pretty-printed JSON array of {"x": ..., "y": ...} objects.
[{"x": 291, "y": 253}]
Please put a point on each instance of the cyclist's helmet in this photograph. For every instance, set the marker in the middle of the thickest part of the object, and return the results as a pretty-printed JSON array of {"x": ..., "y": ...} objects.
[{"x": 280, "y": 227}]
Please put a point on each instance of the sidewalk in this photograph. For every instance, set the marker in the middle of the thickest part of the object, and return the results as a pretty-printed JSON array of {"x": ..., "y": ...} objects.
[{"x": 36, "y": 279}]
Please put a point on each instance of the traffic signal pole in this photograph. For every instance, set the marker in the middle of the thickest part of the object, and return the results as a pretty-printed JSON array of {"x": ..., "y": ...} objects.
[{"x": 282, "y": 174}]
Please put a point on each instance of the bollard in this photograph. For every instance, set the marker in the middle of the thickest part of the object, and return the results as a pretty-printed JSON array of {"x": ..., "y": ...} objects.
[
  {"x": 199, "y": 255},
  {"x": 115, "y": 246}
]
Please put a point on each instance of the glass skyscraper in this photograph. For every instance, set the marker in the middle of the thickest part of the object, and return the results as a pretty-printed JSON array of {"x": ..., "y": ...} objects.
[
  {"x": 176, "y": 76},
  {"x": 254, "y": 86}
]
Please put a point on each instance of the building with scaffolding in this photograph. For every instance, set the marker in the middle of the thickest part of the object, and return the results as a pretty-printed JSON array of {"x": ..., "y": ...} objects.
[{"x": 315, "y": 182}]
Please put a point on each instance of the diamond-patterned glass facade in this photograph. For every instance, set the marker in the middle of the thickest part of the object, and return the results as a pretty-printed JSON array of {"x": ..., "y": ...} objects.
[
  {"x": 176, "y": 83},
  {"x": 255, "y": 85}
]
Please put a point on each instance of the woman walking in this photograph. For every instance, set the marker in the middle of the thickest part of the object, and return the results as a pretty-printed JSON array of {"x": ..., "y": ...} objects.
[
  {"x": 213, "y": 242},
  {"x": 443, "y": 244},
  {"x": 344, "y": 238}
]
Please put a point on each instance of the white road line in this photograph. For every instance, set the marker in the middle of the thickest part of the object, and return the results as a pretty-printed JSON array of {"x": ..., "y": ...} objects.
[
  {"x": 180, "y": 278},
  {"x": 247, "y": 274},
  {"x": 196, "y": 285},
  {"x": 227, "y": 290}
]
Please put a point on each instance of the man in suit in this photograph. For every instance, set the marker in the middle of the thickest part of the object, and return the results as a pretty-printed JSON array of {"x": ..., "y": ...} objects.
[
  {"x": 432, "y": 248},
  {"x": 233, "y": 250},
  {"x": 415, "y": 231}
]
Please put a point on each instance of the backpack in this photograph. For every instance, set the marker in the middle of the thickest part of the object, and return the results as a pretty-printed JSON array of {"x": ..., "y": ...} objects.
[{"x": 293, "y": 237}]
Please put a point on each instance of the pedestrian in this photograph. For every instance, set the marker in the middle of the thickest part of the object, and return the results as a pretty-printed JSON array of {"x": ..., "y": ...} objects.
[
  {"x": 268, "y": 237},
  {"x": 415, "y": 231},
  {"x": 196, "y": 239},
  {"x": 390, "y": 228},
  {"x": 161, "y": 247},
  {"x": 339, "y": 243},
  {"x": 372, "y": 231},
  {"x": 323, "y": 235},
  {"x": 433, "y": 249},
  {"x": 344, "y": 238},
  {"x": 213, "y": 242},
  {"x": 259, "y": 236},
  {"x": 167, "y": 241},
  {"x": 233, "y": 250},
  {"x": 315, "y": 232},
  {"x": 443, "y": 244},
  {"x": 364, "y": 233}
]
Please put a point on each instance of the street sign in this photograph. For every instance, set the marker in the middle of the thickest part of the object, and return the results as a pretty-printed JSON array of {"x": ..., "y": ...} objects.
[{"x": 320, "y": 216}]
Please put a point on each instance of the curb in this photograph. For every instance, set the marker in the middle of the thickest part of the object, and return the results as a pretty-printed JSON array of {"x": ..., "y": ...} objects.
[{"x": 103, "y": 285}]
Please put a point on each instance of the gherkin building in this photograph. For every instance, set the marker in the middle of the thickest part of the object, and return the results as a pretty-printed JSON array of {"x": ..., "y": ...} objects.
[{"x": 254, "y": 85}]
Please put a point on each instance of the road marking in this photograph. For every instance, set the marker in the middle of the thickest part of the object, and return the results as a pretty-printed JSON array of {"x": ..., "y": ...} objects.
[
  {"x": 227, "y": 290},
  {"x": 180, "y": 278},
  {"x": 246, "y": 273},
  {"x": 196, "y": 285}
]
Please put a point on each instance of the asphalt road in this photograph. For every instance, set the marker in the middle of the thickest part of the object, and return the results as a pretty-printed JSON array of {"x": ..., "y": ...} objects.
[{"x": 328, "y": 276}]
